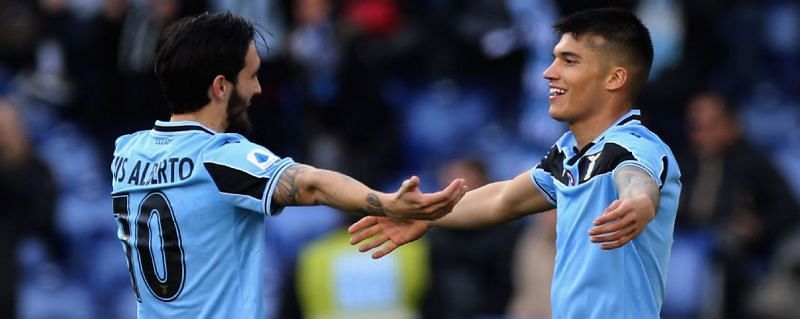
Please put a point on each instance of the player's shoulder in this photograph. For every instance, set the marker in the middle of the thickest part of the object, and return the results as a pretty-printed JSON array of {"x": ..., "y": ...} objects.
[
  {"x": 127, "y": 139},
  {"x": 230, "y": 143},
  {"x": 643, "y": 144},
  {"x": 236, "y": 150},
  {"x": 636, "y": 137}
]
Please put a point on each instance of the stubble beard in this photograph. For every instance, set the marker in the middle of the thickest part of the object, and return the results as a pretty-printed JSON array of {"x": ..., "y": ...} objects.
[{"x": 238, "y": 119}]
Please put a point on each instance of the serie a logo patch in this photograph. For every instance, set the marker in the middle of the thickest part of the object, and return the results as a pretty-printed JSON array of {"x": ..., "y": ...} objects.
[{"x": 261, "y": 158}]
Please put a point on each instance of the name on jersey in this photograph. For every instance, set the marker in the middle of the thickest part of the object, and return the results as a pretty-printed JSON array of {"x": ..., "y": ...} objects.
[{"x": 150, "y": 173}]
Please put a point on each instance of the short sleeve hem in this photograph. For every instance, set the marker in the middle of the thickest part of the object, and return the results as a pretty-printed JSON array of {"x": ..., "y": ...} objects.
[
  {"x": 269, "y": 209},
  {"x": 549, "y": 197},
  {"x": 640, "y": 165}
]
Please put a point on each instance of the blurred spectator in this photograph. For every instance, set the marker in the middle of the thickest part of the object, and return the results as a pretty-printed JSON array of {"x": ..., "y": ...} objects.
[
  {"x": 314, "y": 55},
  {"x": 94, "y": 70},
  {"x": 28, "y": 193},
  {"x": 471, "y": 270},
  {"x": 287, "y": 236},
  {"x": 335, "y": 281},
  {"x": 141, "y": 100},
  {"x": 266, "y": 15},
  {"x": 534, "y": 260},
  {"x": 19, "y": 24},
  {"x": 143, "y": 25},
  {"x": 375, "y": 43},
  {"x": 736, "y": 197},
  {"x": 777, "y": 297},
  {"x": 487, "y": 41},
  {"x": 313, "y": 45}
]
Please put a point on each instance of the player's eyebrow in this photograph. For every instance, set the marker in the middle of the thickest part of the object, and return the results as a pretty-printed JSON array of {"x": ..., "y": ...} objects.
[{"x": 566, "y": 55}]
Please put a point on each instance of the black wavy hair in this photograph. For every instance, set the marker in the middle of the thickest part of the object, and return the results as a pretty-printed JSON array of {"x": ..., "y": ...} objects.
[{"x": 192, "y": 51}]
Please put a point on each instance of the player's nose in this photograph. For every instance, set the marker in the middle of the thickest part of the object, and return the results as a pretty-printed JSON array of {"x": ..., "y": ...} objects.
[
  {"x": 550, "y": 73},
  {"x": 257, "y": 90}
]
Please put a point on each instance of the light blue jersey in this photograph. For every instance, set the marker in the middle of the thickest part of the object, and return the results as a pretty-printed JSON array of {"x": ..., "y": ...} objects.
[
  {"x": 588, "y": 282},
  {"x": 190, "y": 205}
]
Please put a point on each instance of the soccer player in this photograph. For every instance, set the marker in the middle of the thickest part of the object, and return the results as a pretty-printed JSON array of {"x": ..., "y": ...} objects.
[
  {"x": 614, "y": 183},
  {"x": 190, "y": 199}
]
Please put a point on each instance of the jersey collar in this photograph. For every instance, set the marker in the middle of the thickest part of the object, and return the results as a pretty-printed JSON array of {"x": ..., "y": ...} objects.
[
  {"x": 180, "y": 126},
  {"x": 634, "y": 116}
]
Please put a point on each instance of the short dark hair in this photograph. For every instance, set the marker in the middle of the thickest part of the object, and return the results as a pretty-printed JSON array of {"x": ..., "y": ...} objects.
[
  {"x": 194, "y": 50},
  {"x": 623, "y": 30}
]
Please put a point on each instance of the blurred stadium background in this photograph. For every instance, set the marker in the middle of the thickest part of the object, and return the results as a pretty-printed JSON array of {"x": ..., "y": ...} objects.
[{"x": 382, "y": 89}]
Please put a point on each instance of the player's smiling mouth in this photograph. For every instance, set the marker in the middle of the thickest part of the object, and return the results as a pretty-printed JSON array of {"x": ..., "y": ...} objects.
[{"x": 556, "y": 92}]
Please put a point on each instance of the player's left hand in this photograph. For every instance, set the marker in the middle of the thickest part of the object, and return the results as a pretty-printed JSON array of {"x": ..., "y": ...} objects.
[{"x": 622, "y": 221}]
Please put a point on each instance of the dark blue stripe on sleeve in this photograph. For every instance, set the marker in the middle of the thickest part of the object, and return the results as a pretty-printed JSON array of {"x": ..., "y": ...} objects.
[
  {"x": 233, "y": 181},
  {"x": 663, "y": 176}
]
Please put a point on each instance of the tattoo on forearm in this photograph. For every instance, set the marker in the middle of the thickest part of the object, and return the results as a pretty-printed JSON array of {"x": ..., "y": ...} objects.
[
  {"x": 287, "y": 193},
  {"x": 374, "y": 206},
  {"x": 633, "y": 181}
]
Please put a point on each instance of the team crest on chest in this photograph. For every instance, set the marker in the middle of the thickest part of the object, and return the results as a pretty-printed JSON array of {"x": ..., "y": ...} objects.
[
  {"x": 570, "y": 179},
  {"x": 592, "y": 159}
]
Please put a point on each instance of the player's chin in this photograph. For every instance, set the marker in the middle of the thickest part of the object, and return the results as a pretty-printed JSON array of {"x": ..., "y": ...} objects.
[{"x": 556, "y": 112}]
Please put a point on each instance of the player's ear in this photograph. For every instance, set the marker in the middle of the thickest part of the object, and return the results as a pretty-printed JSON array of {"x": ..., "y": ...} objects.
[
  {"x": 616, "y": 78},
  {"x": 218, "y": 88}
]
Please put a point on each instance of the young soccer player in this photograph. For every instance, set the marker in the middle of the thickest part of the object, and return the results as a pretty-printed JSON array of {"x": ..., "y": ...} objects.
[{"x": 614, "y": 183}]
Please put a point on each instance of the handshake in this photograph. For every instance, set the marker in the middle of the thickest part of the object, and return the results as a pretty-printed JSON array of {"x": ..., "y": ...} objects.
[{"x": 405, "y": 216}]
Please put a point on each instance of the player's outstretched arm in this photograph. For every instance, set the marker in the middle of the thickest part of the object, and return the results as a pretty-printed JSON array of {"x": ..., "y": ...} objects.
[
  {"x": 305, "y": 185},
  {"x": 627, "y": 216},
  {"x": 489, "y": 205}
]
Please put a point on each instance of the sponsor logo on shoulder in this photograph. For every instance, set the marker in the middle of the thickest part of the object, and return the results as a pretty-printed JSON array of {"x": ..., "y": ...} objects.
[{"x": 261, "y": 158}]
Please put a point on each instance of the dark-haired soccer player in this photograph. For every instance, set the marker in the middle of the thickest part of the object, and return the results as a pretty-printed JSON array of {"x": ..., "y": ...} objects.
[
  {"x": 190, "y": 199},
  {"x": 614, "y": 183}
]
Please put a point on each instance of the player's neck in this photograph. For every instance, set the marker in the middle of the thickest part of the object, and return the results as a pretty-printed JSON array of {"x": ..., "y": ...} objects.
[
  {"x": 215, "y": 122},
  {"x": 588, "y": 129}
]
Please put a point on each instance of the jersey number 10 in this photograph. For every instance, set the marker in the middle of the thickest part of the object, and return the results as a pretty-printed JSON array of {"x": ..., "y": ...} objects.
[{"x": 164, "y": 287}]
